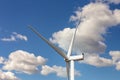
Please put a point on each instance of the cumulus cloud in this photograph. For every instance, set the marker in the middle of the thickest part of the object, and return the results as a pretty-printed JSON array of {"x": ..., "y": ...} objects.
[
  {"x": 14, "y": 37},
  {"x": 97, "y": 61},
  {"x": 97, "y": 18},
  {"x": 23, "y": 61},
  {"x": 20, "y": 36},
  {"x": 11, "y": 38},
  {"x": 28, "y": 63},
  {"x": 116, "y": 58},
  {"x": 58, "y": 70},
  {"x": 117, "y": 15},
  {"x": 118, "y": 65},
  {"x": 1, "y": 60},
  {"x": 7, "y": 76}
]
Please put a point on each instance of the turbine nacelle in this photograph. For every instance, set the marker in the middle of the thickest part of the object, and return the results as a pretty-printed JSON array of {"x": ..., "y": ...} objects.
[{"x": 75, "y": 58}]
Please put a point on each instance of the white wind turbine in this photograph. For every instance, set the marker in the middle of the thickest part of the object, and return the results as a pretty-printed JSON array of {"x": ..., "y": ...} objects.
[{"x": 69, "y": 59}]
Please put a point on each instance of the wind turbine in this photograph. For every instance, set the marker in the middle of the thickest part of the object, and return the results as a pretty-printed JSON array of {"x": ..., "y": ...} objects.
[{"x": 69, "y": 59}]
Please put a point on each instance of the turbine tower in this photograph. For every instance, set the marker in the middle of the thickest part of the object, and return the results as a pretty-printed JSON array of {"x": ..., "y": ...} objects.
[{"x": 69, "y": 59}]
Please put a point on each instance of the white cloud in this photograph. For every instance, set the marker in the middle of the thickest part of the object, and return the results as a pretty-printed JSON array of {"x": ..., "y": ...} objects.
[
  {"x": 58, "y": 70},
  {"x": 1, "y": 60},
  {"x": 116, "y": 58},
  {"x": 118, "y": 65},
  {"x": 115, "y": 55},
  {"x": 97, "y": 18},
  {"x": 117, "y": 15},
  {"x": 14, "y": 37},
  {"x": 98, "y": 61},
  {"x": 7, "y": 76},
  {"x": 11, "y": 38},
  {"x": 23, "y": 61},
  {"x": 19, "y": 36}
]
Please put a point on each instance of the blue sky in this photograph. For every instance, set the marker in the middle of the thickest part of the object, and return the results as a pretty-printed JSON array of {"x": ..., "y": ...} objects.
[{"x": 26, "y": 57}]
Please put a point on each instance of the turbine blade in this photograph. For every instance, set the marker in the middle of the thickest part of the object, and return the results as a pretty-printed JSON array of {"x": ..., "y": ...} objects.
[
  {"x": 60, "y": 52},
  {"x": 67, "y": 69},
  {"x": 72, "y": 42}
]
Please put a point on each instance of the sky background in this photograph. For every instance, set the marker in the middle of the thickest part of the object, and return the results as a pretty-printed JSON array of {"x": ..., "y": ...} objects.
[{"x": 23, "y": 56}]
